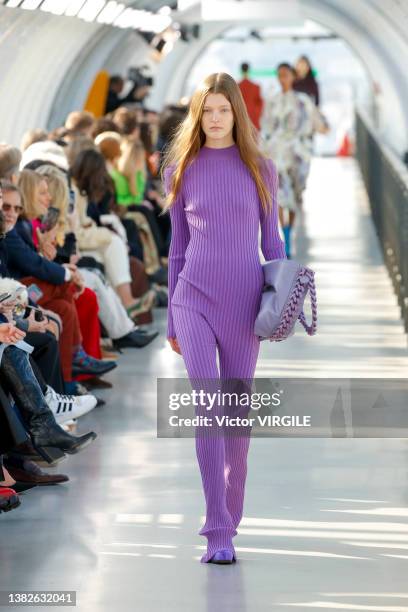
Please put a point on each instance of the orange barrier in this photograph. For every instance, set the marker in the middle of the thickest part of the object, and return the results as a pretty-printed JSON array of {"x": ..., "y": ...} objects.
[{"x": 97, "y": 95}]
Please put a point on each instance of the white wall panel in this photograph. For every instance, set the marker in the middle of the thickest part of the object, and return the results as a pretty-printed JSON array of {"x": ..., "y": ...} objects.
[{"x": 36, "y": 52}]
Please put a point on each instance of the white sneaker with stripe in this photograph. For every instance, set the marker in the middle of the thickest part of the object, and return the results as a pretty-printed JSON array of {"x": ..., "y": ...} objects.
[{"x": 67, "y": 407}]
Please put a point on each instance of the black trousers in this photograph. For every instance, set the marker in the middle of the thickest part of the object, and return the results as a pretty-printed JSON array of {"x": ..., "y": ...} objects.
[
  {"x": 12, "y": 431},
  {"x": 132, "y": 234},
  {"x": 46, "y": 359},
  {"x": 154, "y": 226}
]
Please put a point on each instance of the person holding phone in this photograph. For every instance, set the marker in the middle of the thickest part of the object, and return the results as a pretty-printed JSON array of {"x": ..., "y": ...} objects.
[
  {"x": 59, "y": 283},
  {"x": 112, "y": 314},
  {"x": 16, "y": 371}
]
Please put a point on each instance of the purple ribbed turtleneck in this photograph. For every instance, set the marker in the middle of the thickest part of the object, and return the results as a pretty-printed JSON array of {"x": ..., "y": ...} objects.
[{"x": 213, "y": 263}]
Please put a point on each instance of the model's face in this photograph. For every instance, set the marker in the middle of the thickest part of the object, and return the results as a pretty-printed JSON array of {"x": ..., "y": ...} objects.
[
  {"x": 11, "y": 206},
  {"x": 43, "y": 199},
  {"x": 217, "y": 119},
  {"x": 286, "y": 78}
]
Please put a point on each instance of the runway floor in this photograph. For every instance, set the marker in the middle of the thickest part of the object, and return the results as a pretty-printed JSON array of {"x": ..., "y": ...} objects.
[{"x": 326, "y": 520}]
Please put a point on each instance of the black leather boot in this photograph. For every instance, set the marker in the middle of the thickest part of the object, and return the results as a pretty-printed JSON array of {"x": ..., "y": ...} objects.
[{"x": 47, "y": 437}]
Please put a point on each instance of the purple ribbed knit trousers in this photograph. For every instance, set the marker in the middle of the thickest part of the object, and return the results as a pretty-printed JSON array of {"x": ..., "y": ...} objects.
[
  {"x": 215, "y": 285},
  {"x": 223, "y": 458}
]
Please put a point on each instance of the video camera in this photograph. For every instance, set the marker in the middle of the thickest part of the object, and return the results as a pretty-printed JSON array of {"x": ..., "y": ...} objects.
[{"x": 139, "y": 78}]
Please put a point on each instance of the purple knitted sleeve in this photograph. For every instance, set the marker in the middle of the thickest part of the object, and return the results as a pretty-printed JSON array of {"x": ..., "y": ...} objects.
[
  {"x": 271, "y": 244},
  {"x": 180, "y": 236}
]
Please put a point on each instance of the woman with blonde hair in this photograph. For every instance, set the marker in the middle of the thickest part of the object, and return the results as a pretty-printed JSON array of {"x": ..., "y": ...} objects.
[
  {"x": 34, "y": 189},
  {"x": 58, "y": 190},
  {"x": 132, "y": 165},
  {"x": 112, "y": 314},
  {"x": 36, "y": 200},
  {"x": 129, "y": 174},
  {"x": 110, "y": 145},
  {"x": 59, "y": 285},
  {"x": 220, "y": 188}
]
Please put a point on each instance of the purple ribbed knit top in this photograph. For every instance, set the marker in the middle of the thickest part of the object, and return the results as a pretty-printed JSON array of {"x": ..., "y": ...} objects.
[{"x": 215, "y": 228}]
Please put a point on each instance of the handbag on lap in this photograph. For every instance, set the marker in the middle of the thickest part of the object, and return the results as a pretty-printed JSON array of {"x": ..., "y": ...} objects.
[{"x": 286, "y": 285}]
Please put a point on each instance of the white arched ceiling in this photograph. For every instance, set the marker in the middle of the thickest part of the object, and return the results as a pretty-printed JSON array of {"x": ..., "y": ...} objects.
[
  {"x": 110, "y": 49},
  {"x": 377, "y": 36},
  {"x": 36, "y": 51},
  {"x": 49, "y": 62}
]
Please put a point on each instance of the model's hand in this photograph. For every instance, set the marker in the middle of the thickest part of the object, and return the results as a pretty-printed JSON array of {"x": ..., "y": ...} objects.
[{"x": 174, "y": 345}]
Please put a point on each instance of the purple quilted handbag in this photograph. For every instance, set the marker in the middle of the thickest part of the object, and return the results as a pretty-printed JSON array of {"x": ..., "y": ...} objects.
[{"x": 286, "y": 285}]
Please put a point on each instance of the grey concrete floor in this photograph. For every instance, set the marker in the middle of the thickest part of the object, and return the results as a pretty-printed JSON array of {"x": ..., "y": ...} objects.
[{"x": 326, "y": 520}]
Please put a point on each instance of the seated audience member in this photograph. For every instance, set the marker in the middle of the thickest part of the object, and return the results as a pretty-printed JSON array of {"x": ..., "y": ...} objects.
[
  {"x": 33, "y": 136},
  {"x": 169, "y": 121},
  {"x": 44, "y": 151},
  {"x": 135, "y": 218},
  {"x": 58, "y": 284},
  {"x": 103, "y": 124},
  {"x": 79, "y": 123},
  {"x": 94, "y": 194},
  {"x": 112, "y": 314},
  {"x": 10, "y": 158},
  {"x": 129, "y": 175},
  {"x": 47, "y": 437},
  {"x": 44, "y": 358},
  {"x": 126, "y": 122}
]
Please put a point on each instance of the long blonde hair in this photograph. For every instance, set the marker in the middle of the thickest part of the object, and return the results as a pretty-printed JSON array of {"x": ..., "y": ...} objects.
[
  {"x": 189, "y": 136},
  {"x": 132, "y": 160},
  {"x": 28, "y": 183},
  {"x": 58, "y": 188}
]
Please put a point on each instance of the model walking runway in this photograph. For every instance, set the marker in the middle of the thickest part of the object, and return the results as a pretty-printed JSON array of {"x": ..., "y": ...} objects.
[{"x": 215, "y": 283}]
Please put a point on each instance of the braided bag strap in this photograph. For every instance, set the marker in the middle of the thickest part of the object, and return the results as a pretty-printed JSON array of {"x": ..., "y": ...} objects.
[
  {"x": 310, "y": 329},
  {"x": 293, "y": 310}
]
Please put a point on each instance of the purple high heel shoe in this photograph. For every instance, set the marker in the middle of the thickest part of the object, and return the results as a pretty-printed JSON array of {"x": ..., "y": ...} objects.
[{"x": 223, "y": 557}]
